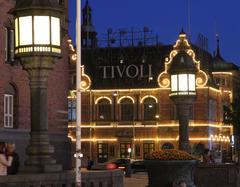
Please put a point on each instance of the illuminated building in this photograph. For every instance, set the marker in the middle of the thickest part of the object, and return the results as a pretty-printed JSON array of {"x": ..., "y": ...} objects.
[{"x": 126, "y": 97}]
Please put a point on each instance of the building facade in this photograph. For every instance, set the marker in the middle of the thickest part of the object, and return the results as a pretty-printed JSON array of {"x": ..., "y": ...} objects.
[
  {"x": 126, "y": 107},
  {"x": 15, "y": 120}
]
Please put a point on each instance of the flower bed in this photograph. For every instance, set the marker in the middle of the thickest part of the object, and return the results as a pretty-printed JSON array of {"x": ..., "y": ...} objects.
[
  {"x": 170, "y": 154},
  {"x": 167, "y": 166}
]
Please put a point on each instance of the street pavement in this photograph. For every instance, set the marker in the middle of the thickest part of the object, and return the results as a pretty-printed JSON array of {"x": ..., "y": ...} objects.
[{"x": 139, "y": 179}]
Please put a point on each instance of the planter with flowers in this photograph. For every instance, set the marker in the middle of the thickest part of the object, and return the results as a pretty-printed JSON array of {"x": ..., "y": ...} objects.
[{"x": 168, "y": 166}]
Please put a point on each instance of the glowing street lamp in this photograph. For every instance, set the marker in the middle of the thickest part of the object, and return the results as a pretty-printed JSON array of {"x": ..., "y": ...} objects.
[
  {"x": 129, "y": 150},
  {"x": 37, "y": 28},
  {"x": 183, "y": 76},
  {"x": 183, "y": 93}
]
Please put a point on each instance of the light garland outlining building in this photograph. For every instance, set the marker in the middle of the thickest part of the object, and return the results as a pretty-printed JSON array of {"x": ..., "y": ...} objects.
[{"x": 126, "y": 97}]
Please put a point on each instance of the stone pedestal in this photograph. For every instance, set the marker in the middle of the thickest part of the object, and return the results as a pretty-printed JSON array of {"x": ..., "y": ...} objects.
[
  {"x": 39, "y": 151},
  {"x": 184, "y": 105}
]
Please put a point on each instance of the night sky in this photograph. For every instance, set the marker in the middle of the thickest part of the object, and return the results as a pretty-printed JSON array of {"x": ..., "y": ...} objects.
[{"x": 166, "y": 18}]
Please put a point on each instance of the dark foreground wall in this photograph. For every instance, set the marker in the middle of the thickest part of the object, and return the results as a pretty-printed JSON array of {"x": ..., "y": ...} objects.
[
  {"x": 112, "y": 178},
  {"x": 217, "y": 175},
  {"x": 20, "y": 138}
]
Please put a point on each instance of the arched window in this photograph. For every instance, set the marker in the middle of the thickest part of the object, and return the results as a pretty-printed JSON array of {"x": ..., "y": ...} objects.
[
  {"x": 104, "y": 110},
  {"x": 126, "y": 107},
  {"x": 10, "y": 106},
  {"x": 167, "y": 146},
  {"x": 149, "y": 109}
]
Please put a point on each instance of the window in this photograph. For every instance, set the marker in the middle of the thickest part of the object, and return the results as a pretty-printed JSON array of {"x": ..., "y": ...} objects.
[
  {"x": 227, "y": 116},
  {"x": 167, "y": 146},
  {"x": 112, "y": 150},
  {"x": 104, "y": 110},
  {"x": 212, "y": 110},
  {"x": 148, "y": 148},
  {"x": 10, "y": 107},
  {"x": 217, "y": 81},
  {"x": 137, "y": 150},
  {"x": 73, "y": 81},
  {"x": 72, "y": 110},
  {"x": 8, "y": 111},
  {"x": 150, "y": 109},
  {"x": 224, "y": 82},
  {"x": 127, "y": 113},
  {"x": 124, "y": 150},
  {"x": 9, "y": 44},
  {"x": 102, "y": 152}
]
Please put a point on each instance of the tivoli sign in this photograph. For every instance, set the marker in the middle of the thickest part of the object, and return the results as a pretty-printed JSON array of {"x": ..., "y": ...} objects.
[{"x": 129, "y": 71}]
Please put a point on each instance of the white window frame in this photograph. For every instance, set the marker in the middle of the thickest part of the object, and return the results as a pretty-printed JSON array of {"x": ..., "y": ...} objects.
[{"x": 8, "y": 110}]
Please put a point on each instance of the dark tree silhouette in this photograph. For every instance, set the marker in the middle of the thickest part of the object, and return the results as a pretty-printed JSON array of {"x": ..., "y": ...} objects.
[{"x": 232, "y": 116}]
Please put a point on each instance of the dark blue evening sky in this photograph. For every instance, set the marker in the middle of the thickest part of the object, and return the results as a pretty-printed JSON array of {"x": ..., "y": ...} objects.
[{"x": 167, "y": 17}]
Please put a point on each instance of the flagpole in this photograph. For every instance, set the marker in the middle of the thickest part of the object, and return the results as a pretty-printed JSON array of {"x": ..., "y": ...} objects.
[{"x": 78, "y": 81}]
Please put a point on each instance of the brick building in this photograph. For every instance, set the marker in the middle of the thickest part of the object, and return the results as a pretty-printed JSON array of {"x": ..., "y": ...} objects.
[
  {"x": 126, "y": 96},
  {"x": 15, "y": 103}
]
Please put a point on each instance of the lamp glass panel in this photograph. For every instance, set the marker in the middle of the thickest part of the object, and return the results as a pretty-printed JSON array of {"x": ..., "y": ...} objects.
[
  {"x": 174, "y": 83},
  {"x": 25, "y": 30},
  {"x": 191, "y": 78},
  {"x": 55, "y": 31},
  {"x": 41, "y": 30},
  {"x": 16, "y": 33},
  {"x": 182, "y": 82}
]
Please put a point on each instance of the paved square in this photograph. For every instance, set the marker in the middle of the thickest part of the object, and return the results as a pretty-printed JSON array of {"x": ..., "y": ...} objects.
[{"x": 137, "y": 180}]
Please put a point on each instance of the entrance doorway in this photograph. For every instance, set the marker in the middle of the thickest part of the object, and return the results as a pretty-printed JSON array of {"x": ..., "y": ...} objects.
[
  {"x": 124, "y": 150},
  {"x": 102, "y": 152}
]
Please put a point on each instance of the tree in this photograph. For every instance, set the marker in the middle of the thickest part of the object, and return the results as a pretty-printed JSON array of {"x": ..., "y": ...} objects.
[{"x": 232, "y": 116}]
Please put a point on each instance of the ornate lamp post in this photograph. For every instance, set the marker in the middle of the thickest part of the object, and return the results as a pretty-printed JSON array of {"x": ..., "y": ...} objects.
[
  {"x": 38, "y": 46},
  {"x": 183, "y": 93}
]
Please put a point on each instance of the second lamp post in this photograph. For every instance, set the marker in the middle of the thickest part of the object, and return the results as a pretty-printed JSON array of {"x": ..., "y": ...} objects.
[{"x": 183, "y": 93}]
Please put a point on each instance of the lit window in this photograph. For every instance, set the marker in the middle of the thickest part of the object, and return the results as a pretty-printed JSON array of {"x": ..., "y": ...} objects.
[
  {"x": 217, "y": 81},
  {"x": 102, "y": 152},
  {"x": 104, "y": 110},
  {"x": 149, "y": 109},
  {"x": 223, "y": 82},
  {"x": 72, "y": 110},
  {"x": 148, "y": 148},
  {"x": 124, "y": 150}
]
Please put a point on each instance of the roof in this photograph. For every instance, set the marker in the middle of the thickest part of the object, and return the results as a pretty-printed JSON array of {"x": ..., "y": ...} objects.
[
  {"x": 131, "y": 67},
  {"x": 220, "y": 64},
  {"x": 41, "y": 3}
]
